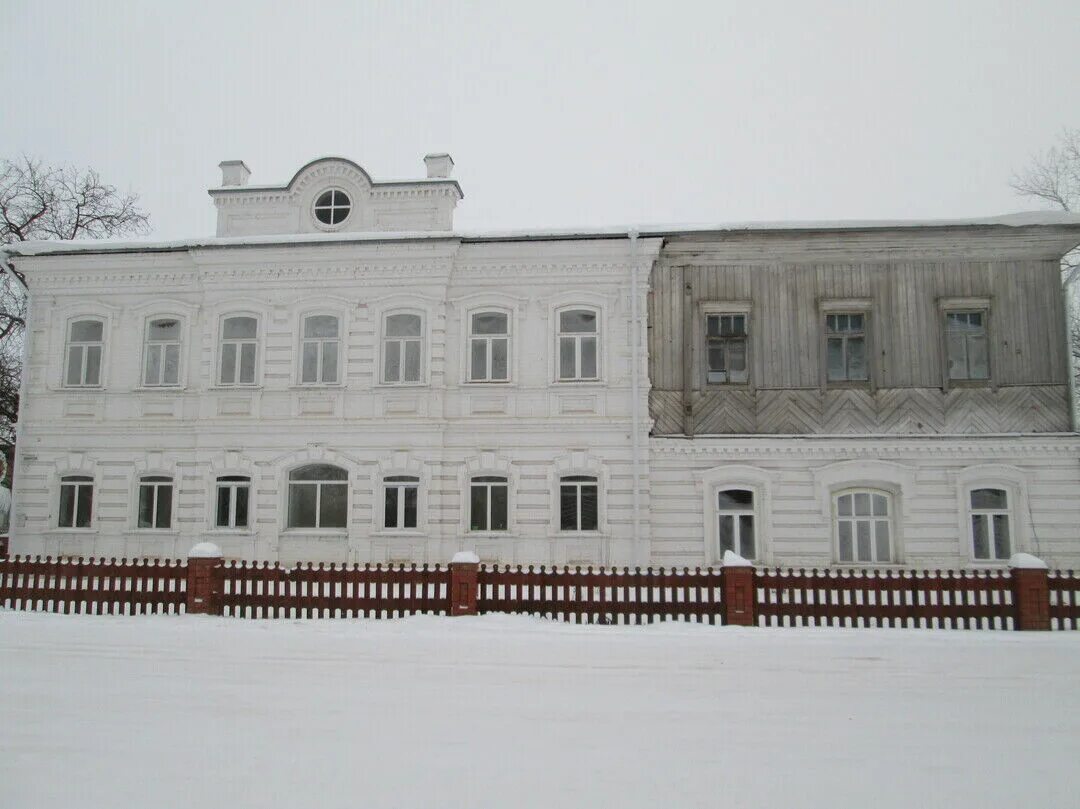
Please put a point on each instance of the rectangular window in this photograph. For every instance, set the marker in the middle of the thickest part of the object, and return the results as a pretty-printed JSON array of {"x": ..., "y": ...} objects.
[
  {"x": 162, "y": 365},
  {"x": 400, "y": 501},
  {"x": 155, "y": 502},
  {"x": 990, "y": 535},
  {"x": 578, "y": 345},
  {"x": 489, "y": 347},
  {"x": 735, "y": 508},
  {"x": 402, "y": 343},
  {"x": 233, "y": 494},
  {"x": 76, "y": 501},
  {"x": 579, "y": 503},
  {"x": 967, "y": 345},
  {"x": 725, "y": 348},
  {"x": 488, "y": 498},
  {"x": 83, "y": 367},
  {"x": 238, "y": 345},
  {"x": 845, "y": 347},
  {"x": 319, "y": 350}
]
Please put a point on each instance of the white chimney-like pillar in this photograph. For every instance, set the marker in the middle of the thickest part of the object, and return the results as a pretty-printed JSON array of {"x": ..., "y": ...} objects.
[
  {"x": 234, "y": 172},
  {"x": 438, "y": 165}
]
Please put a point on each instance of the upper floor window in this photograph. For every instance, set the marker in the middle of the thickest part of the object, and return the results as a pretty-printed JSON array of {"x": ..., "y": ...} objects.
[
  {"x": 579, "y": 503},
  {"x": 725, "y": 348},
  {"x": 990, "y": 535},
  {"x": 400, "y": 496},
  {"x": 332, "y": 207},
  {"x": 845, "y": 347},
  {"x": 162, "y": 364},
  {"x": 488, "y": 502},
  {"x": 84, "y": 349},
  {"x": 76, "y": 501},
  {"x": 735, "y": 510},
  {"x": 863, "y": 527},
  {"x": 318, "y": 496},
  {"x": 578, "y": 345},
  {"x": 233, "y": 501},
  {"x": 966, "y": 345},
  {"x": 402, "y": 342},
  {"x": 239, "y": 338},
  {"x": 155, "y": 501},
  {"x": 489, "y": 347},
  {"x": 320, "y": 350}
]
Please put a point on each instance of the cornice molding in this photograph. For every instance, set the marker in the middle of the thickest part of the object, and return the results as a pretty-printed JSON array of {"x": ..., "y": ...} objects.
[{"x": 856, "y": 447}]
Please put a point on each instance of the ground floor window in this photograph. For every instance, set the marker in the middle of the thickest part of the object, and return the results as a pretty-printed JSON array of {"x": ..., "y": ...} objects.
[
  {"x": 76, "y": 501},
  {"x": 863, "y": 527},
  {"x": 233, "y": 497},
  {"x": 400, "y": 496},
  {"x": 318, "y": 497},
  {"x": 155, "y": 501},
  {"x": 579, "y": 503},
  {"x": 735, "y": 510},
  {"x": 488, "y": 504},
  {"x": 990, "y": 533}
]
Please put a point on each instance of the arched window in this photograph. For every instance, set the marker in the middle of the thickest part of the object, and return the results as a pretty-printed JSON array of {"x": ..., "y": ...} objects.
[
  {"x": 578, "y": 345},
  {"x": 991, "y": 537},
  {"x": 155, "y": 501},
  {"x": 239, "y": 341},
  {"x": 76, "y": 501},
  {"x": 318, "y": 497},
  {"x": 320, "y": 350},
  {"x": 579, "y": 503},
  {"x": 863, "y": 526},
  {"x": 402, "y": 348},
  {"x": 233, "y": 501},
  {"x": 489, "y": 347},
  {"x": 84, "y": 349},
  {"x": 400, "y": 496},
  {"x": 488, "y": 503},
  {"x": 735, "y": 513},
  {"x": 162, "y": 363}
]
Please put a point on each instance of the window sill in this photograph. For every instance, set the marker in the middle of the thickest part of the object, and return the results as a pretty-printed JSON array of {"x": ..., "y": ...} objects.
[
  {"x": 861, "y": 384},
  {"x": 390, "y": 533},
  {"x": 969, "y": 383},
  {"x": 326, "y": 386},
  {"x": 396, "y": 385},
  {"x": 153, "y": 532},
  {"x": 234, "y": 388},
  {"x": 488, "y": 383},
  {"x": 581, "y": 383},
  {"x": 159, "y": 389},
  {"x": 315, "y": 532},
  {"x": 81, "y": 532},
  {"x": 745, "y": 386},
  {"x": 490, "y": 534},
  {"x": 81, "y": 388},
  {"x": 230, "y": 532}
]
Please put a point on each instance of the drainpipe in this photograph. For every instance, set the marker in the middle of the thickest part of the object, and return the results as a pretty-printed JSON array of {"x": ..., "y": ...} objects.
[
  {"x": 1071, "y": 306},
  {"x": 635, "y": 388}
]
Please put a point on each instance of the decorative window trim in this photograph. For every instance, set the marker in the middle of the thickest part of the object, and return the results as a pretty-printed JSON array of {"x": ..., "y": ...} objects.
[
  {"x": 512, "y": 331},
  {"x": 425, "y": 347},
  {"x": 313, "y": 309},
  {"x": 313, "y": 454},
  {"x": 853, "y": 306},
  {"x": 737, "y": 476},
  {"x": 342, "y": 530},
  {"x": 487, "y": 463},
  {"x": 68, "y": 323},
  {"x": 578, "y": 462},
  {"x": 1016, "y": 483},
  {"x": 140, "y": 477},
  {"x": 185, "y": 344},
  {"x": 260, "y": 321},
  {"x": 231, "y": 462},
  {"x": 405, "y": 464},
  {"x": 432, "y": 316},
  {"x": 698, "y": 344},
  {"x": 75, "y": 463},
  {"x": 966, "y": 304},
  {"x": 601, "y": 342}
]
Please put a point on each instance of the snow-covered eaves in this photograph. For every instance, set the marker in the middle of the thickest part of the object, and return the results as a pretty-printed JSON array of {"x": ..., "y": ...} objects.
[{"x": 1031, "y": 219}]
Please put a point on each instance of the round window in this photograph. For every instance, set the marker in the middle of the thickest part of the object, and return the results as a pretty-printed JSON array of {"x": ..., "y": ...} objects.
[{"x": 332, "y": 207}]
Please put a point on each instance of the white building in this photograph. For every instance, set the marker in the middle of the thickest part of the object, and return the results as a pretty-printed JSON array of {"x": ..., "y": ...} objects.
[{"x": 339, "y": 376}]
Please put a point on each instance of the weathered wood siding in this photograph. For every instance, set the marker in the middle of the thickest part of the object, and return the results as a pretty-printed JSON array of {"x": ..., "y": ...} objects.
[{"x": 1028, "y": 386}]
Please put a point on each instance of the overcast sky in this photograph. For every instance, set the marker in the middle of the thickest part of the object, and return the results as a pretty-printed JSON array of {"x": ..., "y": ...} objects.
[{"x": 556, "y": 114}]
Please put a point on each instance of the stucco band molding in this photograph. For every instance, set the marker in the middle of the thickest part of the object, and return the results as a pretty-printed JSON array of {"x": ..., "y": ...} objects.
[{"x": 1063, "y": 444}]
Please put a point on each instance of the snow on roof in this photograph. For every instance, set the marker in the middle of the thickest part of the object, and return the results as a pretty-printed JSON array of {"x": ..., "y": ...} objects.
[{"x": 1016, "y": 220}]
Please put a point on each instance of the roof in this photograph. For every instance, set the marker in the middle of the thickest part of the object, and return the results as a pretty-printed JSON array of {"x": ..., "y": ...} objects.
[{"x": 1046, "y": 219}]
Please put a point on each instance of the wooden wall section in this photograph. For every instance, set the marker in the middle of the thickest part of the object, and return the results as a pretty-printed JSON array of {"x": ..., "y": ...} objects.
[{"x": 785, "y": 278}]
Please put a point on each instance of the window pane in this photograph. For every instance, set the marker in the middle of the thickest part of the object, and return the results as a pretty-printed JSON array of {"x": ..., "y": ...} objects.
[
  {"x": 412, "y": 362},
  {"x": 989, "y": 498},
  {"x": 978, "y": 361},
  {"x": 390, "y": 507},
  {"x": 310, "y": 372},
  {"x": 403, "y": 326},
  {"x": 479, "y": 359},
  {"x": 247, "y": 363},
  {"x": 329, "y": 362},
  {"x": 862, "y": 504},
  {"x": 568, "y": 508},
  {"x": 738, "y": 325},
  {"x": 74, "y": 366},
  {"x": 164, "y": 507},
  {"x": 321, "y": 326},
  {"x": 856, "y": 368},
  {"x": 153, "y": 365},
  {"x": 862, "y": 538},
  {"x": 499, "y": 510},
  {"x": 172, "y": 365},
  {"x": 93, "y": 365},
  {"x": 855, "y": 323},
  {"x": 957, "y": 356},
  {"x": 411, "y": 493},
  {"x": 716, "y": 357},
  {"x": 588, "y": 357},
  {"x": 489, "y": 323},
  {"x": 478, "y": 508},
  {"x": 164, "y": 329},
  {"x": 228, "y": 364},
  {"x": 736, "y": 355},
  {"x": 146, "y": 506},
  {"x": 82, "y": 510},
  {"x": 577, "y": 320},
  {"x": 238, "y": 328},
  {"x": 319, "y": 471},
  {"x": 1001, "y": 536},
  {"x": 333, "y": 505},
  {"x": 746, "y": 536},
  {"x": 241, "y": 495},
  {"x": 67, "y": 506},
  {"x": 301, "y": 505},
  {"x": 589, "y": 508},
  {"x": 881, "y": 506},
  {"x": 392, "y": 362},
  {"x": 980, "y": 536},
  {"x": 881, "y": 536},
  {"x": 835, "y": 360},
  {"x": 843, "y": 505},
  {"x": 499, "y": 361},
  {"x": 567, "y": 367},
  {"x": 727, "y": 533},
  {"x": 712, "y": 326},
  {"x": 739, "y": 499},
  {"x": 223, "y": 493},
  {"x": 845, "y": 542},
  {"x": 86, "y": 331}
]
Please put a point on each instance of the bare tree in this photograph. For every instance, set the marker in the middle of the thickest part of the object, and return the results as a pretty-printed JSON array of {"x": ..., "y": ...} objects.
[{"x": 38, "y": 201}]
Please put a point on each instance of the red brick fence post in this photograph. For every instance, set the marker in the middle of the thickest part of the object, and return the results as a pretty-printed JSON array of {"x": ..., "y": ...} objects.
[
  {"x": 203, "y": 579},
  {"x": 464, "y": 586},
  {"x": 1030, "y": 592},
  {"x": 738, "y": 592}
]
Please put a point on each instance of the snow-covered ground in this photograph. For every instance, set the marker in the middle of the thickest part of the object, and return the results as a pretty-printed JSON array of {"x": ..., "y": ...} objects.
[{"x": 517, "y": 712}]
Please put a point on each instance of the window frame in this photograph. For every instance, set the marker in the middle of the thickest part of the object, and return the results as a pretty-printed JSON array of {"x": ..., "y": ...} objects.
[
  {"x": 330, "y": 226},
  {"x": 303, "y": 340},
  {"x": 76, "y": 481},
  {"x": 973, "y": 512},
  {"x": 287, "y": 526},
  {"x": 400, "y": 481},
  {"x": 735, "y": 513},
  {"x": 948, "y": 306},
  {"x": 847, "y": 306},
  {"x": 707, "y": 344},
  {"x": 587, "y": 479},
  {"x": 222, "y": 481},
  {"x": 222, "y": 341},
  {"x": 470, "y": 336},
  {"x": 889, "y": 517},
  {"x": 699, "y": 345},
  {"x": 384, "y": 340},
  {"x": 179, "y": 342},
  {"x": 156, "y": 481},
  {"x": 559, "y": 334},
  {"x": 487, "y": 480},
  {"x": 85, "y": 345}
]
